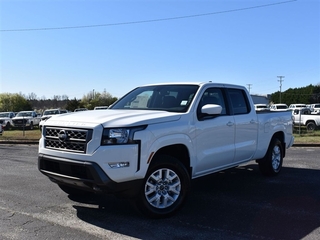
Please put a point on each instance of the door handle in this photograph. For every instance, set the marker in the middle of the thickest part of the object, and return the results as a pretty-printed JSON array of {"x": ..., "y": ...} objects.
[{"x": 230, "y": 124}]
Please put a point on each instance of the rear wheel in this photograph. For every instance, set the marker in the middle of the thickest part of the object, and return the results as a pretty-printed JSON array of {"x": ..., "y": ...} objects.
[
  {"x": 271, "y": 164},
  {"x": 311, "y": 126},
  {"x": 165, "y": 188}
]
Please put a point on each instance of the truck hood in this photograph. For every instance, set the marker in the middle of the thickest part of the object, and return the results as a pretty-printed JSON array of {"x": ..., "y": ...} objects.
[
  {"x": 112, "y": 118},
  {"x": 18, "y": 118}
]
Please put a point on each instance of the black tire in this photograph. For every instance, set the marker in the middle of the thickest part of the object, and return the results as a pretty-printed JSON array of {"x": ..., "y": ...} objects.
[
  {"x": 271, "y": 164},
  {"x": 8, "y": 126},
  {"x": 73, "y": 191},
  {"x": 164, "y": 189},
  {"x": 311, "y": 126},
  {"x": 31, "y": 127}
]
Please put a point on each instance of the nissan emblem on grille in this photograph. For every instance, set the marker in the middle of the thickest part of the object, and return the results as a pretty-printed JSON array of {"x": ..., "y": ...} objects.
[{"x": 63, "y": 136}]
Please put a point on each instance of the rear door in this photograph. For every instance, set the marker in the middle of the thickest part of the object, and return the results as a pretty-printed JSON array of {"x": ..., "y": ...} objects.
[{"x": 246, "y": 125}]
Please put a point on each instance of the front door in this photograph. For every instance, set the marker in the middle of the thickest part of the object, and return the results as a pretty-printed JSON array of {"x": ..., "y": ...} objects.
[{"x": 214, "y": 135}]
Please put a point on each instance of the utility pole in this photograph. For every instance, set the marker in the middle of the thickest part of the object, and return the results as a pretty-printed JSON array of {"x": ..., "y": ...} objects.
[
  {"x": 280, "y": 80},
  {"x": 249, "y": 87}
]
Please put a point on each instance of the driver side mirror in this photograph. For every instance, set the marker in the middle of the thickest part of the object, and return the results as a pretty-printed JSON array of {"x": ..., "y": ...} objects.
[{"x": 211, "y": 109}]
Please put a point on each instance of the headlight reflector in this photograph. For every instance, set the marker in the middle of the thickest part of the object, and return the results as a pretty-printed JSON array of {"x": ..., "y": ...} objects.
[{"x": 119, "y": 135}]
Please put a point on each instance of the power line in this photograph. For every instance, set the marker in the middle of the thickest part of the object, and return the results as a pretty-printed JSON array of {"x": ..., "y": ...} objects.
[{"x": 147, "y": 21}]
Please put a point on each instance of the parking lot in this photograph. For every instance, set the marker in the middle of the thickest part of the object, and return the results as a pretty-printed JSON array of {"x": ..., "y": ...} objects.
[{"x": 236, "y": 204}]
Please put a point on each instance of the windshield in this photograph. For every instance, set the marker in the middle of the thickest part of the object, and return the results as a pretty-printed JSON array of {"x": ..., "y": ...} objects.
[
  {"x": 50, "y": 112},
  {"x": 172, "y": 98},
  {"x": 2, "y": 115},
  {"x": 24, "y": 114},
  {"x": 282, "y": 107}
]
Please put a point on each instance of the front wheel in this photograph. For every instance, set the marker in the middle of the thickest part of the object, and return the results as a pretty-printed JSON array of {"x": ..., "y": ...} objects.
[
  {"x": 165, "y": 188},
  {"x": 271, "y": 164}
]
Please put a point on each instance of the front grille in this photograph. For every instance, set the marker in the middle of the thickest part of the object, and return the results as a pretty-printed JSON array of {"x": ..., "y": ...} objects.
[
  {"x": 67, "y": 139},
  {"x": 20, "y": 121}
]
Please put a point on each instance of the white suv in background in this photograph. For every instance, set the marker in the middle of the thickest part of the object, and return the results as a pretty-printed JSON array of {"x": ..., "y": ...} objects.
[
  {"x": 279, "y": 107},
  {"x": 297, "y": 106}
]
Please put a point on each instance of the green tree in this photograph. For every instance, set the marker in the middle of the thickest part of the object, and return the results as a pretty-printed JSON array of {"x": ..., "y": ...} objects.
[
  {"x": 72, "y": 104},
  {"x": 13, "y": 102},
  {"x": 91, "y": 100},
  {"x": 307, "y": 95}
]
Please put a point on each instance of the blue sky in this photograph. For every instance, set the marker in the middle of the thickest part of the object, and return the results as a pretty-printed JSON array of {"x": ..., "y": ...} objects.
[{"x": 54, "y": 47}]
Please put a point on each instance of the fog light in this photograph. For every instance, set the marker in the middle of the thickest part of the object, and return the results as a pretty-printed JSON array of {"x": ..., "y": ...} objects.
[{"x": 119, "y": 164}]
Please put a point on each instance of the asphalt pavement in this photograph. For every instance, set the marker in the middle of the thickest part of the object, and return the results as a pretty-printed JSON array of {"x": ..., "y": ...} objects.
[{"x": 238, "y": 203}]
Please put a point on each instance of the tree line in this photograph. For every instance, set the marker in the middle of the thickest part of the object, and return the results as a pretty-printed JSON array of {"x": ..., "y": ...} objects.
[
  {"x": 15, "y": 102},
  {"x": 307, "y": 95},
  {"x": 18, "y": 102}
]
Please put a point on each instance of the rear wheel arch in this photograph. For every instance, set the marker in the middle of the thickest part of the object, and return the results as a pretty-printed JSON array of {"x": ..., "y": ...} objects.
[
  {"x": 311, "y": 125},
  {"x": 271, "y": 163},
  {"x": 280, "y": 136}
]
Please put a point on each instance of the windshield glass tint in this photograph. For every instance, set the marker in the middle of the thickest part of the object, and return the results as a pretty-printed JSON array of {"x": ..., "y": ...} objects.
[
  {"x": 24, "y": 114},
  {"x": 2, "y": 115},
  {"x": 173, "y": 98}
]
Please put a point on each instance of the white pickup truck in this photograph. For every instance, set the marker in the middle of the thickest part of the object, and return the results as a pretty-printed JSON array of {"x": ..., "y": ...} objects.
[
  {"x": 152, "y": 142},
  {"x": 6, "y": 119},
  {"x": 26, "y": 119},
  {"x": 305, "y": 117}
]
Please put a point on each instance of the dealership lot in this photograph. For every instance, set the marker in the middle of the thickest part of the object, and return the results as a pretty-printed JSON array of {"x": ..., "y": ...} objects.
[{"x": 235, "y": 204}]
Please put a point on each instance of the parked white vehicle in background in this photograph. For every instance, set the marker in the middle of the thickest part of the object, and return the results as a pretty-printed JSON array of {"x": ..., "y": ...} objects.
[
  {"x": 279, "y": 107},
  {"x": 315, "y": 108},
  {"x": 49, "y": 113},
  {"x": 6, "y": 119},
  {"x": 101, "y": 107},
  {"x": 26, "y": 119},
  {"x": 297, "y": 106},
  {"x": 304, "y": 117},
  {"x": 152, "y": 142},
  {"x": 1, "y": 130},
  {"x": 261, "y": 107}
]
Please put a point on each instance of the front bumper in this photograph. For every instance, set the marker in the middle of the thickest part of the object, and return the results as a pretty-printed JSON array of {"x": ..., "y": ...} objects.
[{"x": 88, "y": 176}]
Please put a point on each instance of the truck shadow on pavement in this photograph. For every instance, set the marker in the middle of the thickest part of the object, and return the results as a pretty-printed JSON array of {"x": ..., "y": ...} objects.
[{"x": 237, "y": 203}]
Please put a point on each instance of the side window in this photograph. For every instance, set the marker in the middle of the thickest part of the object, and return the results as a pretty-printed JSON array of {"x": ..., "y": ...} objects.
[
  {"x": 239, "y": 101},
  {"x": 212, "y": 96}
]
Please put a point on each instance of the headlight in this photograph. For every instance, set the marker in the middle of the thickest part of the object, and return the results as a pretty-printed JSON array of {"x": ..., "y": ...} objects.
[{"x": 119, "y": 135}]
